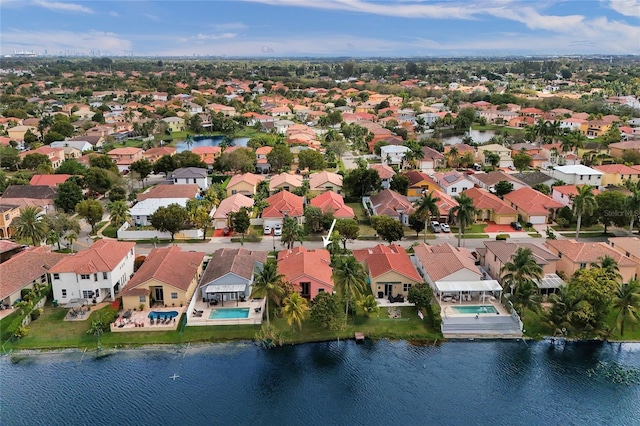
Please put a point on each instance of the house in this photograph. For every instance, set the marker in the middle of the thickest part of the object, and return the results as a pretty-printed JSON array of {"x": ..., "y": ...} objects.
[
  {"x": 8, "y": 249},
  {"x": 123, "y": 157},
  {"x": 419, "y": 183},
  {"x": 628, "y": 246},
  {"x": 262, "y": 163},
  {"x": 280, "y": 205},
  {"x": 325, "y": 181},
  {"x": 55, "y": 155},
  {"x": 617, "y": 174},
  {"x": 595, "y": 128},
  {"x": 17, "y": 133},
  {"x": 578, "y": 175},
  {"x": 445, "y": 204},
  {"x": 330, "y": 202},
  {"x": 154, "y": 154},
  {"x": 170, "y": 191},
  {"x": 390, "y": 270},
  {"x": 503, "y": 152},
  {"x": 231, "y": 204},
  {"x": 393, "y": 154},
  {"x": 576, "y": 255},
  {"x": 618, "y": 149},
  {"x": 564, "y": 194},
  {"x": 97, "y": 141},
  {"x": 230, "y": 276},
  {"x": 48, "y": 180},
  {"x": 431, "y": 160},
  {"x": 42, "y": 196},
  {"x": 445, "y": 262},
  {"x": 488, "y": 180},
  {"x": 452, "y": 182},
  {"x": 385, "y": 172},
  {"x": 97, "y": 273},
  {"x": 174, "y": 124},
  {"x": 140, "y": 213},
  {"x": 390, "y": 203},
  {"x": 533, "y": 206},
  {"x": 246, "y": 184},
  {"x": 168, "y": 277},
  {"x": 490, "y": 208},
  {"x": 208, "y": 154},
  {"x": 25, "y": 269},
  {"x": 533, "y": 178},
  {"x": 79, "y": 145},
  {"x": 190, "y": 175},
  {"x": 309, "y": 271},
  {"x": 285, "y": 181}
]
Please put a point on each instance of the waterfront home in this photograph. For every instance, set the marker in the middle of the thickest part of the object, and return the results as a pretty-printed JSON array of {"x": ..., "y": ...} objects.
[
  {"x": 390, "y": 203},
  {"x": 452, "y": 182},
  {"x": 578, "y": 175},
  {"x": 230, "y": 273},
  {"x": 330, "y": 202},
  {"x": 168, "y": 277},
  {"x": 174, "y": 124},
  {"x": 628, "y": 246},
  {"x": 490, "y": 208},
  {"x": 245, "y": 184},
  {"x": 123, "y": 157},
  {"x": 190, "y": 175},
  {"x": 280, "y": 205},
  {"x": 97, "y": 273},
  {"x": 325, "y": 181},
  {"x": 533, "y": 206},
  {"x": 390, "y": 270},
  {"x": 445, "y": 262},
  {"x": 309, "y": 271},
  {"x": 385, "y": 172},
  {"x": 170, "y": 191},
  {"x": 230, "y": 205},
  {"x": 576, "y": 255},
  {"x": 154, "y": 154},
  {"x": 286, "y": 181},
  {"x": 25, "y": 269}
]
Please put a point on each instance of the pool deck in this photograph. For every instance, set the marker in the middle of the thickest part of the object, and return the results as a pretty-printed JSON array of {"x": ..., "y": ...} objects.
[
  {"x": 447, "y": 311},
  {"x": 255, "y": 318},
  {"x": 139, "y": 321}
]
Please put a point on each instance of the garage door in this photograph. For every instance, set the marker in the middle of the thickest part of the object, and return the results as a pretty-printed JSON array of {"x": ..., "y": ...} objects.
[{"x": 538, "y": 220}]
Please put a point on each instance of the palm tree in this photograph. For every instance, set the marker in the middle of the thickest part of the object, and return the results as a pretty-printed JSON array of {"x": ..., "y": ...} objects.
[
  {"x": 584, "y": 202},
  {"x": 610, "y": 266},
  {"x": 633, "y": 206},
  {"x": 266, "y": 283},
  {"x": 291, "y": 232},
  {"x": 119, "y": 213},
  {"x": 567, "y": 144},
  {"x": 452, "y": 155},
  {"x": 71, "y": 237},
  {"x": 30, "y": 225},
  {"x": 189, "y": 142},
  {"x": 295, "y": 309},
  {"x": 53, "y": 237},
  {"x": 562, "y": 311},
  {"x": 350, "y": 279},
  {"x": 525, "y": 297},
  {"x": 463, "y": 213},
  {"x": 627, "y": 301},
  {"x": 521, "y": 268},
  {"x": 428, "y": 207}
]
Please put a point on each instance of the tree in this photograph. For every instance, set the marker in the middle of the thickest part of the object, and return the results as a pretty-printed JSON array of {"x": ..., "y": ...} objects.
[
  {"x": 71, "y": 237},
  {"x": 143, "y": 167},
  {"x": 103, "y": 162},
  {"x": 503, "y": 187},
  {"x": 521, "y": 161},
  {"x": 348, "y": 229},
  {"x": 280, "y": 157},
  {"x": 427, "y": 207},
  {"x": 325, "y": 311},
  {"x": 295, "y": 309},
  {"x": 241, "y": 221},
  {"x": 30, "y": 225},
  {"x": 119, "y": 213},
  {"x": 610, "y": 266},
  {"x": 521, "y": 268},
  {"x": 98, "y": 180},
  {"x": 543, "y": 188},
  {"x": 350, "y": 280},
  {"x": 421, "y": 295},
  {"x": 313, "y": 218},
  {"x": 91, "y": 211},
  {"x": 52, "y": 238},
  {"x": 627, "y": 301},
  {"x": 51, "y": 137},
  {"x": 369, "y": 305},
  {"x": 266, "y": 284},
  {"x": 311, "y": 159},
  {"x": 339, "y": 147},
  {"x": 32, "y": 161},
  {"x": 117, "y": 193},
  {"x": 417, "y": 223},
  {"x": 388, "y": 228},
  {"x": 361, "y": 181},
  {"x": 291, "y": 232},
  {"x": 612, "y": 209},
  {"x": 202, "y": 219},
  {"x": 633, "y": 207},
  {"x": 188, "y": 159},
  {"x": 69, "y": 195},
  {"x": 584, "y": 202},
  {"x": 399, "y": 183},
  {"x": 62, "y": 223},
  {"x": 525, "y": 296},
  {"x": 239, "y": 161},
  {"x": 596, "y": 291},
  {"x": 9, "y": 157},
  {"x": 71, "y": 166},
  {"x": 463, "y": 214},
  {"x": 172, "y": 219},
  {"x": 165, "y": 164}
]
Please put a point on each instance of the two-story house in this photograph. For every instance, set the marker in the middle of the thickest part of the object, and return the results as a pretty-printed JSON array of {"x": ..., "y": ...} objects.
[
  {"x": 54, "y": 155},
  {"x": 123, "y": 157},
  {"x": 280, "y": 205},
  {"x": 174, "y": 124},
  {"x": 533, "y": 206},
  {"x": 8, "y": 213},
  {"x": 578, "y": 175},
  {"x": 190, "y": 175},
  {"x": 246, "y": 184},
  {"x": 385, "y": 172},
  {"x": 453, "y": 182}
]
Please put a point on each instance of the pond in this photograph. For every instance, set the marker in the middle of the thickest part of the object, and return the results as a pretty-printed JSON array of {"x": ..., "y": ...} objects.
[
  {"x": 476, "y": 135},
  {"x": 210, "y": 141}
]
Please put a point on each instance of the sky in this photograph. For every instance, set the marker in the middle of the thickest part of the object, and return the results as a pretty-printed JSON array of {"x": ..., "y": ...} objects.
[{"x": 320, "y": 28}]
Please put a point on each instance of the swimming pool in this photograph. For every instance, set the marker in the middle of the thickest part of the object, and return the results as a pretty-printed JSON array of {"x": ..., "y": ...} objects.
[
  {"x": 229, "y": 313},
  {"x": 154, "y": 315},
  {"x": 485, "y": 309}
]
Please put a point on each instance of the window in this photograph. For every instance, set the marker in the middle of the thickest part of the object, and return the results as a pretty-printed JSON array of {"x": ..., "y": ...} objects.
[
  {"x": 581, "y": 177},
  {"x": 85, "y": 276},
  {"x": 233, "y": 192},
  {"x": 454, "y": 190},
  {"x": 583, "y": 265},
  {"x": 56, "y": 276},
  {"x": 6, "y": 216},
  {"x": 305, "y": 288},
  {"x": 64, "y": 293},
  {"x": 95, "y": 277},
  {"x": 87, "y": 294},
  {"x": 560, "y": 255},
  {"x": 321, "y": 290},
  {"x": 174, "y": 295},
  {"x": 406, "y": 287},
  {"x": 194, "y": 180},
  {"x": 495, "y": 258},
  {"x": 143, "y": 299},
  {"x": 104, "y": 276}
]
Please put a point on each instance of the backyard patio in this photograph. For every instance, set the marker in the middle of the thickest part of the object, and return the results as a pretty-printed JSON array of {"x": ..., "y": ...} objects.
[
  {"x": 233, "y": 313},
  {"x": 158, "y": 319}
]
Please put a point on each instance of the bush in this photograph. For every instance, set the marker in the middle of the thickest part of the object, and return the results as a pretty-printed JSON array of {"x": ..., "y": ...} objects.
[
  {"x": 502, "y": 237},
  {"x": 21, "y": 332},
  {"x": 35, "y": 314}
]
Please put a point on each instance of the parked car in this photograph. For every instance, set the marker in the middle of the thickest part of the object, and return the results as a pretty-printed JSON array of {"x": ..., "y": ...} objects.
[
  {"x": 516, "y": 226},
  {"x": 277, "y": 230},
  {"x": 266, "y": 230},
  {"x": 226, "y": 231},
  {"x": 445, "y": 227},
  {"x": 435, "y": 227}
]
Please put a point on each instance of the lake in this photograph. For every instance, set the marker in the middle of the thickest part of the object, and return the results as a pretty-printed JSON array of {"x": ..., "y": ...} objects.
[
  {"x": 334, "y": 383},
  {"x": 476, "y": 135},
  {"x": 209, "y": 141}
]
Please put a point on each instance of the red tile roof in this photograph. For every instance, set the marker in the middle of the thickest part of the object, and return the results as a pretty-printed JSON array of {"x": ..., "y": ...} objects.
[
  {"x": 571, "y": 190},
  {"x": 26, "y": 266},
  {"x": 170, "y": 191},
  {"x": 48, "y": 180},
  {"x": 484, "y": 200},
  {"x": 102, "y": 256},
  {"x": 587, "y": 252},
  {"x": 232, "y": 204},
  {"x": 531, "y": 201},
  {"x": 283, "y": 201},
  {"x": 301, "y": 262},
  {"x": 382, "y": 259},
  {"x": 384, "y": 171},
  {"x": 330, "y": 202},
  {"x": 620, "y": 169},
  {"x": 444, "y": 260},
  {"x": 389, "y": 203}
]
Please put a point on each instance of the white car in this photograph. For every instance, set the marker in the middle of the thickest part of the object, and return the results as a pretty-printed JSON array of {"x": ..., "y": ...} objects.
[
  {"x": 445, "y": 227},
  {"x": 277, "y": 230},
  {"x": 266, "y": 230}
]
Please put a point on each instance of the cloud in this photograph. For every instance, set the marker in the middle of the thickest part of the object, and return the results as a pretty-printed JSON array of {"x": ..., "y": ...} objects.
[
  {"x": 625, "y": 7},
  {"x": 64, "y": 41},
  {"x": 223, "y": 36},
  {"x": 114, "y": 13},
  {"x": 151, "y": 17},
  {"x": 230, "y": 26},
  {"x": 63, "y": 6}
]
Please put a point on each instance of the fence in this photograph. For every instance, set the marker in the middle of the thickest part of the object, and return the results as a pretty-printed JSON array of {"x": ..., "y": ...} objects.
[
  {"x": 507, "y": 304},
  {"x": 188, "y": 234}
]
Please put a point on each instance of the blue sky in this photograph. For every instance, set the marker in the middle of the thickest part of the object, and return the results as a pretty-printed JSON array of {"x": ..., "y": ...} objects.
[{"x": 354, "y": 28}]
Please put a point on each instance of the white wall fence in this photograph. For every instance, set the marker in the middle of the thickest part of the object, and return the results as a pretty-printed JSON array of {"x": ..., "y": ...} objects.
[{"x": 124, "y": 233}]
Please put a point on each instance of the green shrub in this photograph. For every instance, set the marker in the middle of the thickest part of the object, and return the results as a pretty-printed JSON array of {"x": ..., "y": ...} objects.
[
  {"x": 502, "y": 237},
  {"x": 35, "y": 314},
  {"x": 21, "y": 332}
]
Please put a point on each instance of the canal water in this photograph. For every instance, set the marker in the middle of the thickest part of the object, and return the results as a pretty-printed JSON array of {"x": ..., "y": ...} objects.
[{"x": 209, "y": 141}]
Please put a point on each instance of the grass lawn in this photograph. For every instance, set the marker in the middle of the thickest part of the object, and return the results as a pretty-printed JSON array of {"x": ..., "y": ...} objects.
[
  {"x": 476, "y": 228},
  {"x": 534, "y": 235},
  {"x": 583, "y": 234},
  {"x": 534, "y": 325},
  {"x": 593, "y": 228},
  {"x": 473, "y": 236},
  {"x": 110, "y": 231},
  {"x": 98, "y": 226},
  {"x": 358, "y": 209},
  {"x": 366, "y": 230}
]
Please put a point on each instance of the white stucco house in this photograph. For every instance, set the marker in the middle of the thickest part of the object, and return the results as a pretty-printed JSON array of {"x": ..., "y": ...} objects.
[
  {"x": 143, "y": 209},
  {"x": 94, "y": 274},
  {"x": 578, "y": 174},
  {"x": 190, "y": 175},
  {"x": 393, "y": 154}
]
